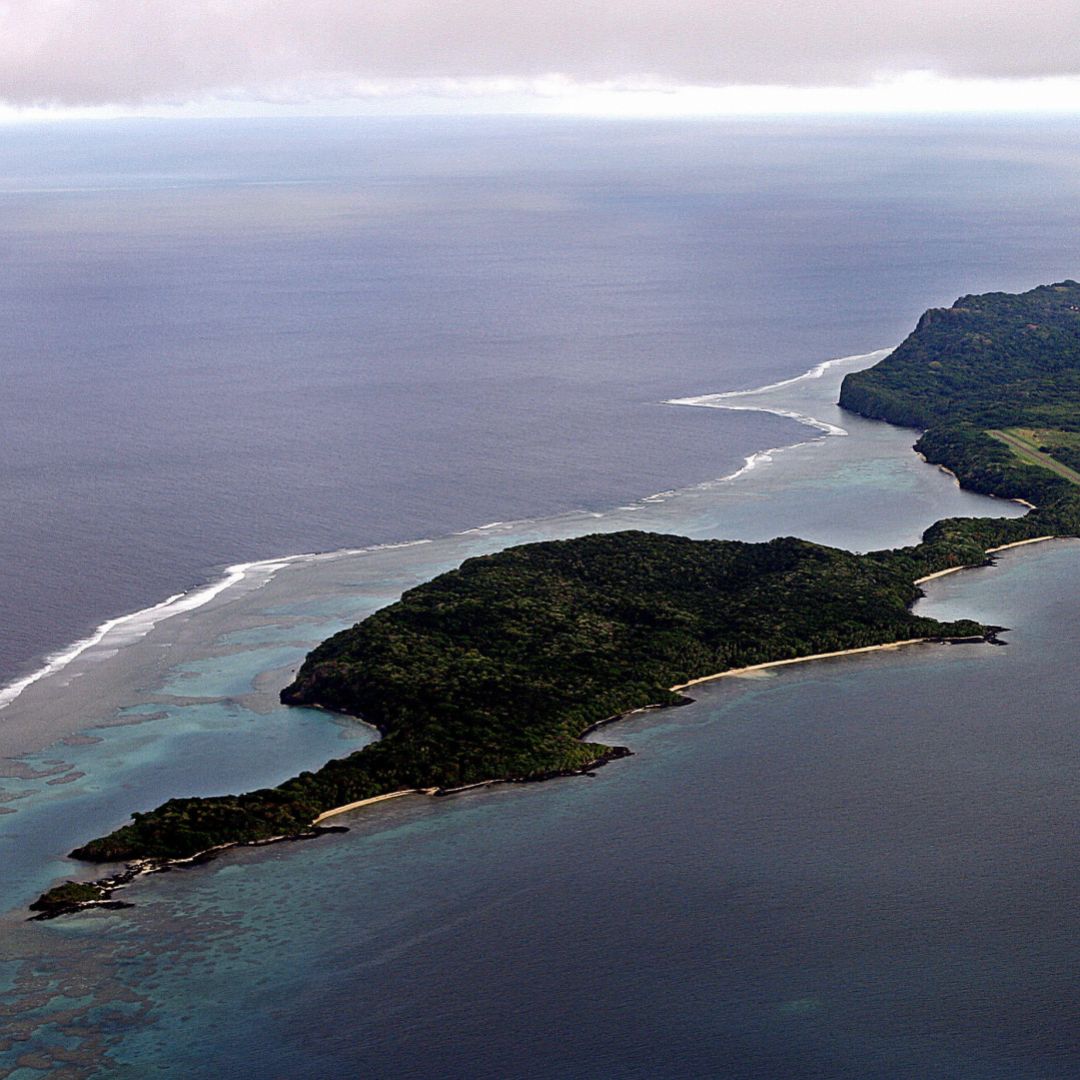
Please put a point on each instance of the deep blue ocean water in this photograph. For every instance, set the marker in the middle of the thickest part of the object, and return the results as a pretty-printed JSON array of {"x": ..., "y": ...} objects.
[
  {"x": 232, "y": 341},
  {"x": 229, "y": 342}
]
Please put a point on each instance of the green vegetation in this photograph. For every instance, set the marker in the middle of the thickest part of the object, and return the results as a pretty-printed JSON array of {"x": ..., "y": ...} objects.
[
  {"x": 997, "y": 363},
  {"x": 495, "y": 670},
  {"x": 70, "y": 896},
  {"x": 1043, "y": 448},
  {"x": 1064, "y": 446}
]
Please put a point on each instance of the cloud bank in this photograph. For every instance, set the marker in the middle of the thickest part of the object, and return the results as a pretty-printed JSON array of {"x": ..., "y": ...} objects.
[{"x": 137, "y": 52}]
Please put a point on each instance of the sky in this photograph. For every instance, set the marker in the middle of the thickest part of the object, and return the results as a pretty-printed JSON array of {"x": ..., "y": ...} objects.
[{"x": 624, "y": 57}]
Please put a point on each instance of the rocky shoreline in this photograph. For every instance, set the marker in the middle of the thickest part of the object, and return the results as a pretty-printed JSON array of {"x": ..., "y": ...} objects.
[{"x": 74, "y": 896}]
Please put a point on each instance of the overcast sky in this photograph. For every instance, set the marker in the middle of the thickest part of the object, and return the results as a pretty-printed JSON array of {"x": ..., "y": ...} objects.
[{"x": 136, "y": 54}]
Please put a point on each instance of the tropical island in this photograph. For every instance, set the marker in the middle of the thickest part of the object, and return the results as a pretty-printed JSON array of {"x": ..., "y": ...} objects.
[
  {"x": 496, "y": 671},
  {"x": 994, "y": 383}
]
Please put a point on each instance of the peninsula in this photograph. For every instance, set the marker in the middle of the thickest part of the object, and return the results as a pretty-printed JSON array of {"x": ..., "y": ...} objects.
[
  {"x": 495, "y": 671},
  {"x": 993, "y": 382}
]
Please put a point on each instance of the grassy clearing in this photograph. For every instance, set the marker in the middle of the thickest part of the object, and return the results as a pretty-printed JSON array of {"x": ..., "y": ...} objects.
[{"x": 1026, "y": 443}]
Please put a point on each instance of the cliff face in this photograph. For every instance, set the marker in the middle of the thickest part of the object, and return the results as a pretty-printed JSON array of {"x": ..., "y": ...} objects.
[
  {"x": 992, "y": 360},
  {"x": 988, "y": 363}
]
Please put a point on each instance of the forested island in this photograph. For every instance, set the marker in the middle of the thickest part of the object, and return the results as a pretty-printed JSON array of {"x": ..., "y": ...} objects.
[
  {"x": 495, "y": 671},
  {"x": 994, "y": 383}
]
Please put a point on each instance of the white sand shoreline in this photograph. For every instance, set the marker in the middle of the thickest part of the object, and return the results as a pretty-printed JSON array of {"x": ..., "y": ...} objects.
[
  {"x": 863, "y": 649},
  {"x": 367, "y": 802},
  {"x": 732, "y": 672},
  {"x": 797, "y": 660},
  {"x": 989, "y": 551},
  {"x": 141, "y": 867}
]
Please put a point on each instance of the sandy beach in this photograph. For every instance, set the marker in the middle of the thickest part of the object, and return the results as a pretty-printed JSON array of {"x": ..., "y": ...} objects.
[
  {"x": 989, "y": 551},
  {"x": 733, "y": 672},
  {"x": 797, "y": 660},
  {"x": 863, "y": 649},
  {"x": 367, "y": 802}
]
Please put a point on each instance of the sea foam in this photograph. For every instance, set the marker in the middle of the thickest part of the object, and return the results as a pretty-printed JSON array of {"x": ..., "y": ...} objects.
[
  {"x": 125, "y": 629},
  {"x": 723, "y": 400}
]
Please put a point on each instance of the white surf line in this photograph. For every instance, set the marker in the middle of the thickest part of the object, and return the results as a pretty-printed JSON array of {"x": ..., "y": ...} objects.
[
  {"x": 800, "y": 418},
  {"x": 816, "y": 372},
  {"x": 723, "y": 400},
  {"x": 137, "y": 624},
  {"x": 502, "y": 526},
  {"x": 522, "y": 523},
  {"x": 750, "y": 462},
  {"x": 762, "y": 457}
]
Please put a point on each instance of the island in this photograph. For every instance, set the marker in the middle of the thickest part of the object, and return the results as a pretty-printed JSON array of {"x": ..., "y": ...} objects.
[
  {"x": 993, "y": 382},
  {"x": 496, "y": 671}
]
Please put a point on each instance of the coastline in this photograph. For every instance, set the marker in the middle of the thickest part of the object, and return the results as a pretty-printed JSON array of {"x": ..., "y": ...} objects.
[
  {"x": 989, "y": 551},
  {"x": 45, "y": 909},
  {"x": 852, "y": 652},
  {"x": 731, "y": 672},
  {"x": 140, "y": 622},
  {"x": 501, "y": 527},
  {"x": 67, "y": 898},
  {"x": 374, "y": 799}
]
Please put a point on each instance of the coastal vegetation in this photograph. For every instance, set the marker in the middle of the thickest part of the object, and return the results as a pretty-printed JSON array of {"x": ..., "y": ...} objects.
[
  {"x": 1052, "y": 450},
  {"x": 70, "y": 896},
  {"x": 978, "y": 375},
  {"x": 496, "y": 670}
]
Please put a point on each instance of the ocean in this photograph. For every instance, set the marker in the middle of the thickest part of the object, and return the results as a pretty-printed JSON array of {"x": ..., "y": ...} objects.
[
  {"x": 339, "y": 357},
  {"x": 227, "y": 342}
]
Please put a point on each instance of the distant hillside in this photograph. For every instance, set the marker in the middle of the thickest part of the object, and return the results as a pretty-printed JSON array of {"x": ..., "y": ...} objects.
[{"x": 995, "y": 381}]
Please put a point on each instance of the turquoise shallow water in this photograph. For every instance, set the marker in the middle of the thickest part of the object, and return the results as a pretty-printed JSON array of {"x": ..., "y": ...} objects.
[
  {"x": 861, "y": 870},
  {"x": 824, "y": 872},
  {"x": 852, "y": 868},
  {"x": 191, "y": 749}
]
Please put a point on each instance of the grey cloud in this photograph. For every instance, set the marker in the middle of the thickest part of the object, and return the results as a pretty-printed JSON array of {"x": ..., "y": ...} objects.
[{"x": 83, "y": 52}]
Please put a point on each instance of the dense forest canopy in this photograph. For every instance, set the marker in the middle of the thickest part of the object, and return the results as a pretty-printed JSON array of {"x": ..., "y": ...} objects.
[
  {"x": 495, "y": 670},
  {"x": 996, "y": 361},
  {"x": 992, "y": 363}
]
